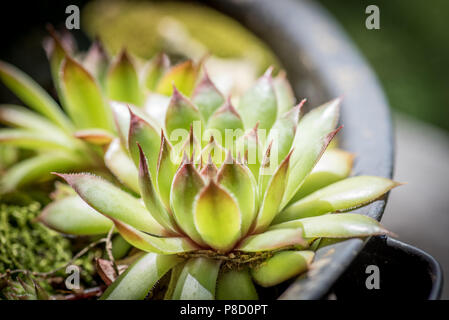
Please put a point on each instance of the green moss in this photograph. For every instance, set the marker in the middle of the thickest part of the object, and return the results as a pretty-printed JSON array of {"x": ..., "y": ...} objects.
[{"x": 26, "y": 244}]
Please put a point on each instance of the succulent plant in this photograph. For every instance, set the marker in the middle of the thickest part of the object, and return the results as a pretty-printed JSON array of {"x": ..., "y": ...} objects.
[
  {"x": 226, "y": 196},
  {"x": 71, "y": 138}
]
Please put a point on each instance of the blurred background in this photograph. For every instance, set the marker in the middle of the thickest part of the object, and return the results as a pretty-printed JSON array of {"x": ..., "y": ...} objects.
[{"x": 409, "y": 53}]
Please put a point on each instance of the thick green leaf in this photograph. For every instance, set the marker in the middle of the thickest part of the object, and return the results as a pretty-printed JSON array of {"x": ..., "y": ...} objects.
[
  {"x": 31, "y": 139},
  {"x": 96, "y": 62},
  {"x": 120, "y": 164},
  {"x": 249, "y": 148},
  {"x": 217, "y": 217},
  {"x": 284, "y": 93},
  {"x": 283, "y": 132},
  {"x": 281, "y": 267},
  {"x": 140, "y": 277},
  {"x": 313, "y": 134},
  {"x": 38, "y": 169},
  {"x": 156, "y": 106},
  {"x": 191, "y": 147},
  {"x": 120, "y": 247},
  {"x": 214, "y": 151},
  {"x": 187, "y": 184},
  {"x": 58, "y": 47},
  {"x": 20, "y": 117},
  {"x": 197, "y": 280},
  {"x": 33, "y": 95},
  {"x": 343, "y": 195},
  {"x": 98, "y": 137},
  {"x": 340, "y": 225},
  {"x": 235, "y": 285},
  {"x": 151, "y": 198},
  {"x": 150, "y": 243},
  {"x": 166, "y": 169},
  {"x": 144, "y": 134},
  {"x": 227, "y": 122},
  {"x": 259, "y": 105},
  {"x": 238, "y": 180},
  {"x": 272, "y": 240},
  {"x": 83, "y": 97},
  {"x": 207, "y": 97},
  {"x": 183, "y": 76},
  {"x": 181, "y": 116},
  {"x": 273, "y": 196},
  {"x": 122, "y": 118},
  {"x": 72, "y": 215},
  {"x": 154, "y": 70},
  {"x": 334, "y": 165},
  {"x": 122, "y": 82},
  {"x": 209, "y": 171},
  {"x": 113, "y": 202}
]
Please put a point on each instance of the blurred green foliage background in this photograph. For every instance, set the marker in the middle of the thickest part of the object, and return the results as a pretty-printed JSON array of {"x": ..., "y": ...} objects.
[{"x": 410, "y": 52}]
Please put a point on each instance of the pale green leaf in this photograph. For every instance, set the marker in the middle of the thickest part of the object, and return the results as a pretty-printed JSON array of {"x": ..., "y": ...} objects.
[
  {"x": 98, "y": 137},
  {"x": 258, "y": 104},
  {"x": 38, "y": 168},
  {"x": 83, "y": 97},
  {"x": 272, "y": 198},
  {"x": 122, "y": 83},
  {"x": 33, "y": 95},
  {"x": 186, "y": 185},
  {"x": 217, "y": 217},
  {"x": 31, "y": 139},
  {"x": 313, "y": 134},
  {"x": 166, "y": 169},
  {"x": 181, "y": 116},
  {"x": 183, "y": 76},
  {"x": 238, "y": 180},
  {"x": 281, "y": 267},
  {"x": 144, "y": 134},
  {"x": 121, "y": 165},
  {"x": 343, "y": 195},
  {"x": 71, "y": 215},
  {"x": 197, "y": 280},
  {"x": 284, "y": 93},
  {"x": 150, "y": 243},
  {"x": 20, "y": 117},
  {"x": 113, "y": 202},
  {"x": 235, "y": 285},
  {"x": 272, "y": 240},
  {"x": 226, "y": 122},
  {"x": 340, "y": 225},
  {"x": 96, "y": 62},
  {"x": 151, "y": 197},
  {"x": 334, "y": 165},
  {"x": 154, "y": 70},
  {"x": 207, "y": 97},
  {"x": 140, "y": 277}
]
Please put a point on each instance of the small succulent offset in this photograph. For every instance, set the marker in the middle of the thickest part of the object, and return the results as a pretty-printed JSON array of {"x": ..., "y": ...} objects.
[
  {"x": 72, "y": 138},
  {"x": 222, "y": 214}
]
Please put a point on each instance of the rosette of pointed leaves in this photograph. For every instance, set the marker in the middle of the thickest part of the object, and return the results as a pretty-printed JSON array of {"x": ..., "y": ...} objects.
[
  {"x": 72, "y": 135},
  {"x": 230, "y": 198}
]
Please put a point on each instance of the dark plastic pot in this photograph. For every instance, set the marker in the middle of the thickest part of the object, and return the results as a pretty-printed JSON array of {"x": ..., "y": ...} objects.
[{"x": 322, "y": 63}]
